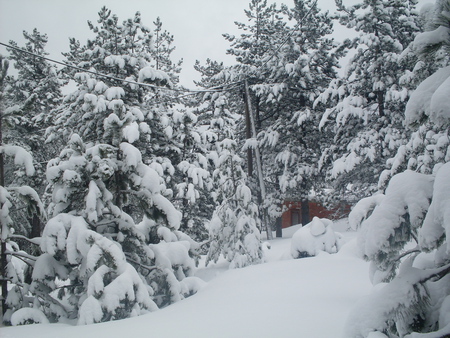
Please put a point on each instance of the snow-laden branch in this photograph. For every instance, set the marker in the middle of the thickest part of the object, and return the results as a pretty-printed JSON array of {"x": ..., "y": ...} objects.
[{"x": 21, "y": 157}]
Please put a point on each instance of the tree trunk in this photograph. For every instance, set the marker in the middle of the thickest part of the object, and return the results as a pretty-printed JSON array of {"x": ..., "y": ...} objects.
[
  {"x": 305, "y": 211},
  {"x": 305, "y": 203},
  {"x": 35, "y": 226},
  {"x": 380, "y": 99},
  {"x": 279, "y": 229}
]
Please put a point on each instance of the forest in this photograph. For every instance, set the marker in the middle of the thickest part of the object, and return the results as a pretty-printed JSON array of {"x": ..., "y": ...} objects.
[{"x": 116, "y": 181}]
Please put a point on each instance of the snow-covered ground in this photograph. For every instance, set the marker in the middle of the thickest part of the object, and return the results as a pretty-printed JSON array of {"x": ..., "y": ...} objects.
[{"x": 309, "y": 297}]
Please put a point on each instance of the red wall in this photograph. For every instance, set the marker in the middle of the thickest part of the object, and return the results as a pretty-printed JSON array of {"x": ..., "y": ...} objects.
[{"x": 315, "y": 209}]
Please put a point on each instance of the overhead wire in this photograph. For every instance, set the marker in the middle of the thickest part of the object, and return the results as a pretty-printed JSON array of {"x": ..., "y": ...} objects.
[
  {"x": 142, "y": 84},
  {"x": 221, "y": 88}
]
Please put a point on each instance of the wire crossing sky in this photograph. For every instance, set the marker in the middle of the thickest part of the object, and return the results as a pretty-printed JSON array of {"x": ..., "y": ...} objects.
[{"x": 197, "y": 25}]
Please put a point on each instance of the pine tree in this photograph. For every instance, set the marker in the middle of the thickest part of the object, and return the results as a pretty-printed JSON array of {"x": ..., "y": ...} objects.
[
  {"x": 414, "y": 211},
  {"x": 112, "y": 222},
  {"x": 366, "y": 105},
  {"x": 427, "y": 147},
  {"x": 161, "y": 54},
  {"x": 11, "y": 196},
  {"x": 233, "y": 230},
  {"x": 31, "y": 96},
  {"x": 192, "y": 175},
  {"x": 291, "y": 140}
]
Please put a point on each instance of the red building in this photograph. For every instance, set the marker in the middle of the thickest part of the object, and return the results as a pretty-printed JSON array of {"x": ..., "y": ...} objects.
[{"x": 293, "y": 214}]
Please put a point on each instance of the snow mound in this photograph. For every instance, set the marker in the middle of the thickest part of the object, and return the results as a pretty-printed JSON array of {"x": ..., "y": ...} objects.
[
  {"x": 436, "y": 225},
  {"x": 407, "y": 197},
  {"x": 430, "y": 99},
  {"x": 315, "y": 237},
  {"x": 28, "y": 315}
]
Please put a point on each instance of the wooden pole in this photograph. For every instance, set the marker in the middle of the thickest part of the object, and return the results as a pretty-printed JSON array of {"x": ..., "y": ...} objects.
[
  {"x": 248, "y": 135},
  {"x": 258, "y": 159},
  {"x": 3, "y": 259}
]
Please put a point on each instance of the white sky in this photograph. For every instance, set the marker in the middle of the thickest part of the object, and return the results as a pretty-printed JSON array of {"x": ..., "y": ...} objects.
[{"x": 197, "y": 25}]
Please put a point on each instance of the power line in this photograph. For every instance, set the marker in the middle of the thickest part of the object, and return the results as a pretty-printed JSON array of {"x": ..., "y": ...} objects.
[
  {"x": 220, "y": 88},
  {"x": 188, "y": 92}
]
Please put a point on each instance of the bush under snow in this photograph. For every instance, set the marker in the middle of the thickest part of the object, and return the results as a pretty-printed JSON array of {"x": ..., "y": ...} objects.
[
  {"x": 28, "y": 316},
  {"x": 315, "y": 237}
]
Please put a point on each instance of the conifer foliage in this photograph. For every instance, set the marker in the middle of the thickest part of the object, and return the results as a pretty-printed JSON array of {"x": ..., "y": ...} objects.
[
  {"x": 414, "y": 209},
  {"x": 233, "y": 229},
  {"x": 364, "y": 108},
  {"x": 140, "y": 180},
  {"x": 112, "y": 246}
]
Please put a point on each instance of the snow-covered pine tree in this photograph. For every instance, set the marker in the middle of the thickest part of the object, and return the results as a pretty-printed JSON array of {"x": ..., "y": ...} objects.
[
  {"x": 426, "y": 117},
  {"x": 162, "y": 50},
  {"x": 290, "y": 139},
  {"x": 118, "y": 202},
  {"x": 31, "y": 95},
  {"x": 86, "y": 242},
  {"x": 233, "y": 229},
  {"x": 414, "y": 211},
  {"x": 286, "y": 67},
  {"x": 365, "y": 106},
  {"x": 192, "y": 175},
  {"x": 258, "y": 38},
  {"x": 253, "y": 48},
  {"x": 14, "y": 262}
]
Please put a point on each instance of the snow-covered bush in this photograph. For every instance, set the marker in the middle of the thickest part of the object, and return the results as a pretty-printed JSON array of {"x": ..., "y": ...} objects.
[
  {"x": 28, "y": 315},
  {"x": 315, "y": 237}
]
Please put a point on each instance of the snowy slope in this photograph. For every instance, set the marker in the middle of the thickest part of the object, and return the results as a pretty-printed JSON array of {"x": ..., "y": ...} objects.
[{"x": 308, "y": 297}]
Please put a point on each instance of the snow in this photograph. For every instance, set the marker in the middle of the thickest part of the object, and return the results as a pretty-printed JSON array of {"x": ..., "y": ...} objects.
[
  {"x": 371, "y": 312},
  {"x": 149, "y": 74},
  {"x": 408, "y": 193},
  {"x": 430, "y": 98},
  {"x": 425, "y": 39},
  {"x": 21, "y": 157},
  {"x": 437, "y": 220},
  {"x": 314, "y": 238},
  {"x": 25, "y": 315},
  {"x": 440, "y": 105},
  {"x": 132, "y": 155},
  {"x": 363, "y": 209},
  {"x": 131, "y": 132},
  {"x": 114, "y": 93},
  {"x": 309, "y": 297}
]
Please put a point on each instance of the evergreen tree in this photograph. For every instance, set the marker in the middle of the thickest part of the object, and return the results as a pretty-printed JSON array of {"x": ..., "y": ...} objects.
[
  {"x": 427, "y": 147},
  {"x": 290, "y": 139},
  {"x": 31, "y": 96},
  {"x": 13, "y": 197},
  {"x": 109, "y": 194},
  {"x": 365, "y": 107},
  {"x": 161, "y": 54},
  {"x": 192, "y": 175},
  {"x": 414, "y": 209},
  {"x": 233, "y": 230},
  {"x": 287, "y": 67}
]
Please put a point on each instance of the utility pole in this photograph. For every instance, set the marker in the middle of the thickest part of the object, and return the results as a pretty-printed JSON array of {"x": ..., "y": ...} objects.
[
  {"x": 262, "y": 187},
  {"x": 4, "y": 230},
  {"x": 248, "y": 135}
]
